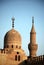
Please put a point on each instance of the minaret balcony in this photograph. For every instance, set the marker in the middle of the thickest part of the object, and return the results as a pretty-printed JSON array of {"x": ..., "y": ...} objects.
[{"x": 32, "y": 46}]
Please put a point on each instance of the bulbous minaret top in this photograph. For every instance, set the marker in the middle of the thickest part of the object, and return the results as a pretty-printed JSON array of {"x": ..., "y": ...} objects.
[{"x": 32, "y": 45}]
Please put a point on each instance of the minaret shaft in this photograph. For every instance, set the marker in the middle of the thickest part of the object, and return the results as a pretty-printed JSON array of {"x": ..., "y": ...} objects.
[{"x": 32, "y": 38}]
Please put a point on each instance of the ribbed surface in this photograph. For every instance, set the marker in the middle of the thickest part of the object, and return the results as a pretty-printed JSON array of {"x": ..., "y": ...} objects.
[{"x": 11, "y": 36}]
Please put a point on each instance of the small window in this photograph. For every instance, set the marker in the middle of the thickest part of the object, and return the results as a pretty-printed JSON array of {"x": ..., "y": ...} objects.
[
  {"x": 16, "y": 46},
  {"x": 7, "y": 50},
  {"x": 19, "y": 58},
  {"x": 17, "y": 52},
  {"x": 12, "y": 46},
  {"x": 19, "y": 47},
  {"x": 7, "y": 46},
  {"x": 4, "y": 46},
  {"x": 1, "y": 51},
  {"x": 4, "y": 51},
  {"x": 16, "y": 57}
]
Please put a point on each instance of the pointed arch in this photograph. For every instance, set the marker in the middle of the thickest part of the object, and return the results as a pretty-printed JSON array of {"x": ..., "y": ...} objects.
[{"x": 18, "y": 57}]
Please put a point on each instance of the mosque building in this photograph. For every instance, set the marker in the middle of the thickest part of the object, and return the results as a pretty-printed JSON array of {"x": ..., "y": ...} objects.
[{"x": 13, "y": 54}]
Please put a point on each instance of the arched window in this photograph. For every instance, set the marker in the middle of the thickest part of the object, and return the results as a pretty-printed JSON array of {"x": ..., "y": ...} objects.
[
  {"x": 16, "y": 46},
  {"x": 19, "y": 47},
  {"x": 7, "y": 46},
  {"x": 1, "y": 51},
  {"x": 19, "y": 58},
  {"x": 12, "y": 46},
  {"x": 16, "y": 57},
  {"x": 4, "y": 51}
]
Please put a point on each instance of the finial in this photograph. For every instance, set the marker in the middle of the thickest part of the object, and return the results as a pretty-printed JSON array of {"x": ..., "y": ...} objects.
[
  {"x": 13, "y": 22},
  {"x": 33, "y": 20}
]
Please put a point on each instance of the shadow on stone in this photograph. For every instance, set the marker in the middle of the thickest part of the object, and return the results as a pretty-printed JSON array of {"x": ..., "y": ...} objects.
[{"x": 26, "y": 62}]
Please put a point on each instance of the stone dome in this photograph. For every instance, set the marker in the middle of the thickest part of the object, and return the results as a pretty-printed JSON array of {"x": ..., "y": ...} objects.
[{"x": 12, "y": 36}]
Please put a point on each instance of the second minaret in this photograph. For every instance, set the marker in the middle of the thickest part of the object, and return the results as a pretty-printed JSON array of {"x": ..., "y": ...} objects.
[{"x": 32, "y": 45}]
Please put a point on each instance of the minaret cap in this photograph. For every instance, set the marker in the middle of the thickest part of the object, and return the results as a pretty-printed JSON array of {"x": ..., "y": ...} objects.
[
  {"x": 13, "y": 22},
  {"x": 33, "y": 29},
  {"x": 33, "y": 21}
]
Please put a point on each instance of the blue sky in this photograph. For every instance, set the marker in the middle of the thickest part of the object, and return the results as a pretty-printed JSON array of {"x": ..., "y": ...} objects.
[{"x": 23, "y": 10}]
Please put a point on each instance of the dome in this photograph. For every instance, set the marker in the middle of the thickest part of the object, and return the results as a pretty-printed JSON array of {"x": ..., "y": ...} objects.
[{"x": 12, "y": 36}]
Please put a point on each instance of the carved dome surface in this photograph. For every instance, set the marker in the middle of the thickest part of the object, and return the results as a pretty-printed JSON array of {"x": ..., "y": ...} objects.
[{"x": 12, "y": 36}]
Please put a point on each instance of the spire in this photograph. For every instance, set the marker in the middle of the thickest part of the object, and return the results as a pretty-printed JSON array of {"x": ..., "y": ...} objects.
[
  {"x": 33, "y": 29},
  {"x": 13, "y": 22},
  {"x": 33, "y": 21},
  {"x": 32, "y": 45}
]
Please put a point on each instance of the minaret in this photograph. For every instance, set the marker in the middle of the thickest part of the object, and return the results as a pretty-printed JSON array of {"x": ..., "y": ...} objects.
[{"x": 32, "y": 45}]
